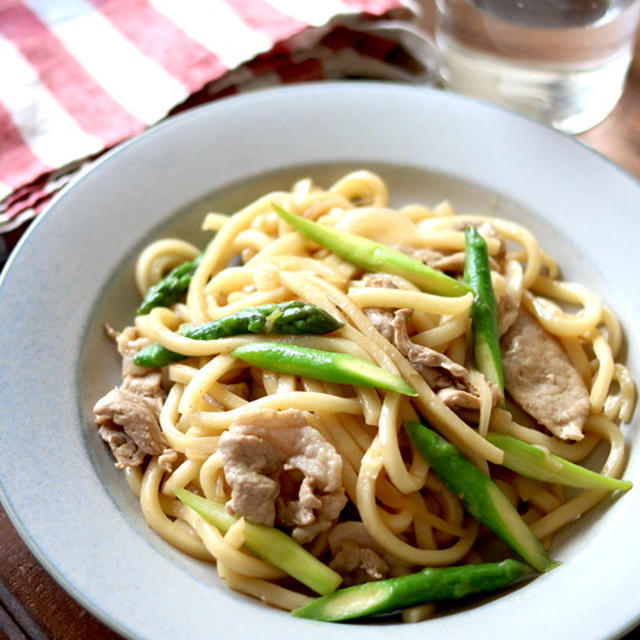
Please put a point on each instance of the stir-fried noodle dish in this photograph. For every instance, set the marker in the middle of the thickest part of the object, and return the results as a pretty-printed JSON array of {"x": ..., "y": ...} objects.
[{"x": 352, "y": 410}]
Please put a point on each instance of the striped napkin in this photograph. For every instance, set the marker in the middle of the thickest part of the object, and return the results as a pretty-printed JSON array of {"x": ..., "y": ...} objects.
[{"x": 79, "y": 76}]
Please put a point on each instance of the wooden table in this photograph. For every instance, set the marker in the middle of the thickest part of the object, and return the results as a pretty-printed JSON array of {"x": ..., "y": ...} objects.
[{"x": 35, "y": 607}]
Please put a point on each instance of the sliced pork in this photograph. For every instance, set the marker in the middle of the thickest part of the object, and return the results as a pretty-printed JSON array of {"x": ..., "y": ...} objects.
[
  {"x": 358, "y": 557},
  {"x": 542, "y": 380},
  {"x": 129, "y": 342},
  {"x": 380, "y": 318},
  {"x": 447, "y": 378},
  {"x": 282, "y": 471},
  {"x": 450, "y": 263},
  {"x": 129, "y": 416},
  {"x": 422, "y": 357},
  {"x": 128, "y": 423}
]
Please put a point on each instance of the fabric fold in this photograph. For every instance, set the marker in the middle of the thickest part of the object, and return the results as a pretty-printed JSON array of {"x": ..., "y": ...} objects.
[{"x": 81, "y": 76}]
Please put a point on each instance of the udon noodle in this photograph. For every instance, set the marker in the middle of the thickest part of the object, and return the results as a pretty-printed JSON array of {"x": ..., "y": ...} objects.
[{"x": 409, "y": 517}]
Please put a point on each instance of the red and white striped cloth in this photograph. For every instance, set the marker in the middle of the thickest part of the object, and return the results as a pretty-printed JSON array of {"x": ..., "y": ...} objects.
[{"x": 79, "y": 76}]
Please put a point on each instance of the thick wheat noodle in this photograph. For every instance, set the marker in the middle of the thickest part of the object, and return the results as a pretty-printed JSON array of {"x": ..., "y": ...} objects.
[
  {"x": 214, "y": 221},
  {"x": 534, "y": 492},
  {"x": 604, "y": 375},
  {"x": 586, "y": 500},
  {"x": 133, "y": 477},
  {"x": 509, "y": 230},
  {"x": 552, "y": 318},
  {"x": 362, "y": 185},
  {"x": 614, "y": 330},
  {"x": 444, "y": 333},
  {"x": 575, "y": 351},
  {"x": 251, "y": 239},
  {"x": 397, "y": 522},
  {"x": 486, "y": 400},
  {"x": 184, "y": 539},
  {"x": 262, "y": 590},
  {"x": 575, "y": 452},
  {"x": 231, "y": 279},
  {"x": 321, "y": 402},
  {"x": 288, "y": 244},
  {"x": 205, "y": 379},
  {"x": 188, "y": 471},
  {"x": 161, "y": 256},
  {"x": 417, "y": 212},
  {"x": 211, "y": 471},
  {"x": 221, "y": 550},
  {"x": 626, "y": 399},
  {"x": 404, "y": 507},
  {"x": 220, "y": 251},
  {"x": 395, "y": 298},
  {"x": 251, "y": 300},
  {"x": 298, "y": 263},
  {"x": 451, "y": 240},
  {"x": 423, "y": 530},
  {"x": 431, "y": 405},
  {"x": 392, "y": 458},
  {"x": 370, "y": 468},
  {"x": 176, "y": 439},
  {"x": 345, "y": 441}
]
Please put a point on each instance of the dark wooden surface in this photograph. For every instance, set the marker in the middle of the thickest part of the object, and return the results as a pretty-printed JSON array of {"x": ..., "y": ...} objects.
[{"x": 35, "y": 607}]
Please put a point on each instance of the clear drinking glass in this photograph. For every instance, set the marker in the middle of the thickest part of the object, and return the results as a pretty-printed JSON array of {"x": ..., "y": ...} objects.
[{"x": 562, "y": 62}]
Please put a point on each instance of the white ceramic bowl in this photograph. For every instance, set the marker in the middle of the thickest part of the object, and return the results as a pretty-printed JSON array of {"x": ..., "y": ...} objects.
[{"x": 73, "y": 271}]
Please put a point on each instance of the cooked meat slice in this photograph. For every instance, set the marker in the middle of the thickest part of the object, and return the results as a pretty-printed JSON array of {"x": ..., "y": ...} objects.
[
  {"x": 420, "y": 356},
  {"x": 379, "y": 280},
  {"x": 251, "y": 467},
  {"x": 485, "y": 229},
  {"x": 282, "y": 471},
  {"x": 358, "y": 564},
  {"x": 381, "y": 319},
  {"x": 447, "y": 378},
  {"x": 129, "y": 415},
  {"x": 452, "y": 263},
  {"x": 141, "y": 380},
  {"x": 168, "y": 459},
  {"x": 509, "y": 303},
  {"x": 122, "y": 446},
  {"x": 453, "y": 397},
  {"x": 149, "y": 385},
  {"x": 540, "y": 378},
  {"x": 358, "y": 557},
  {"x": 129, "y": 425},
  {"x": 129, "y": 342}
]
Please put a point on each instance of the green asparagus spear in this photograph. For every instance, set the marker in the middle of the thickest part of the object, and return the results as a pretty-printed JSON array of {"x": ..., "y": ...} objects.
[
  {"x": 486, "y": 342},
  {"x": 322, "y": 365},
  {"x": 155, "y": 355},
  {"x": 535, "y": 462},
  {"x": 171, "y": 288},
  {"x": 374, "y": 256},
  {"x": 428, "y": 585},
  {"x": 480, "y": 495},
  {"x": 294, "y": 317},
  {"x": 272, "y": 545}
]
